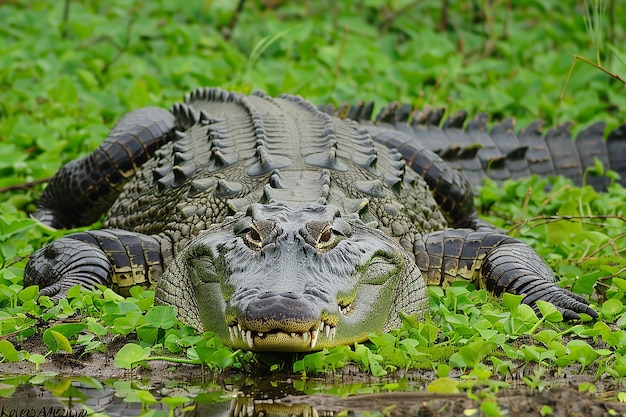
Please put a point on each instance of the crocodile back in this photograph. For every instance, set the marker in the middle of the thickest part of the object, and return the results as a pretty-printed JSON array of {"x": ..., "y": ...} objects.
[{"x": 238, "y": 150}]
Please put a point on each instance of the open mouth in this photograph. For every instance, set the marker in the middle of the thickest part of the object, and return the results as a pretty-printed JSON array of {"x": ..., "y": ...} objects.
[{"x": 253, "y": 337}]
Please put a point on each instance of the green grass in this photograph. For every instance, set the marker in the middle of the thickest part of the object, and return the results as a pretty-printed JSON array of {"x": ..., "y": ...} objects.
[{"x": 63, "y": 84}]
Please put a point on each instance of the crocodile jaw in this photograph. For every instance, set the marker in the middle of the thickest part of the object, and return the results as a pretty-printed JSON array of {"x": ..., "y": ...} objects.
[
  {"x": 298, "y": 335},
  {"x": 242, "y": 338}
]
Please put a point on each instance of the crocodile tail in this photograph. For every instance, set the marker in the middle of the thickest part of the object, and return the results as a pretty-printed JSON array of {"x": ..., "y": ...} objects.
[{"x": 501, "y": 153}]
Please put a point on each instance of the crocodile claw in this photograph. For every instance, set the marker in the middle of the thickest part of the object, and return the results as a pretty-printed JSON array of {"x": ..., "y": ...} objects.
[
  {"x": 64, "y": 263},
  {"x": 568, "y": 303},
  {"x": 55, "y": 291}
]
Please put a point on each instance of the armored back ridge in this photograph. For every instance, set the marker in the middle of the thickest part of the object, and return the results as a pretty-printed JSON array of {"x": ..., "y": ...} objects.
[
  {"x": 277, "y": 225},
  {"x": 249, "y": 149}
]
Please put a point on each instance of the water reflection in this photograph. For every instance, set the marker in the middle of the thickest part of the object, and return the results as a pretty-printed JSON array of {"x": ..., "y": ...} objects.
[{"x": 236, "y": 397}]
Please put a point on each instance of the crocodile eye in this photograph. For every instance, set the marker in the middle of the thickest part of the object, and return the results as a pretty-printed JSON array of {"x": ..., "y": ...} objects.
[
  {"x": 326, "y": 240},
  {"x": 259, "y": 233},
  {"x": 253, "y": 237},
  {"x": 319, "y": 235},
  {"x": 325, "y": 235},
  {"x": 248, "y": 230}
]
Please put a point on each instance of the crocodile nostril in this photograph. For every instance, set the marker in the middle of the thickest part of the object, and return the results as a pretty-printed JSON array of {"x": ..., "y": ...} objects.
[
  {"x": 290, "y": 294},
  {"x": 267, "y": 294}
]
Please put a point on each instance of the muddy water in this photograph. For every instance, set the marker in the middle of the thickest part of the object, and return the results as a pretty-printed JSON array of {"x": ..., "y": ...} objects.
[{"x": 245, "y": 397}]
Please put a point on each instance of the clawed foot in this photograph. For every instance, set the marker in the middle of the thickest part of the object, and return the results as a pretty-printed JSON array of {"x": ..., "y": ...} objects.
[
  {"x": 571, "y": 305},
  {"x": 64, "y": 264}
]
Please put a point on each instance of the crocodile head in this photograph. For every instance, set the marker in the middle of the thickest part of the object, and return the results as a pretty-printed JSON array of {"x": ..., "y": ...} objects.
[{"x": 281, "y": 279}]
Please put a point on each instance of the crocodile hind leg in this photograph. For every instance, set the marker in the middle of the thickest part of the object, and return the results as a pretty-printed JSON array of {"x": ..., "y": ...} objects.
[
  {"x": 496, "y": 262},
  {"x": 110, "y": 257},
  {"x": 85, "y": 188}
]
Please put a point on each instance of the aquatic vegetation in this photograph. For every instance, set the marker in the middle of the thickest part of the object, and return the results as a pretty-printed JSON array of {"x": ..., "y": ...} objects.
[{"x": 66, "y": 81}]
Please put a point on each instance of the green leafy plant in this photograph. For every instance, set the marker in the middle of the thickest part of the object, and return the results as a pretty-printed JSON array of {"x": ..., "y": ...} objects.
[{"x": 68, "y": 78}]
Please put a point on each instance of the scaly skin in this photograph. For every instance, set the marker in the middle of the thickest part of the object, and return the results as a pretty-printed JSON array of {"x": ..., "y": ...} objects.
[
  {"x": 277, "y": 226},
  {"x": 499, "y": 153}
]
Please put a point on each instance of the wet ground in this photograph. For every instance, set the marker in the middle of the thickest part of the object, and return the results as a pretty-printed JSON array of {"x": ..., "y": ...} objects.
[{"x": 66, "y": 385}]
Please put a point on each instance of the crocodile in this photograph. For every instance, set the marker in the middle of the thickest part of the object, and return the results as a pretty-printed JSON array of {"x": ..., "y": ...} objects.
[
  {"x": 276, "y": 225},
  {"x": 501, "y": 153}
]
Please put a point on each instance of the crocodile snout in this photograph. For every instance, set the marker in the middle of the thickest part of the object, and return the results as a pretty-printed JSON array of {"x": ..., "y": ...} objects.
[
  {"x": 285, "y": 319},
  {"x": 285, "y": 307}
]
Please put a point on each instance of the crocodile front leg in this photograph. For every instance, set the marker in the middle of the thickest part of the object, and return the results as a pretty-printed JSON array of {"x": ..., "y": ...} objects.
[
  {"x": 496, "y": 262},
  {"x": 110, "y": 257}
]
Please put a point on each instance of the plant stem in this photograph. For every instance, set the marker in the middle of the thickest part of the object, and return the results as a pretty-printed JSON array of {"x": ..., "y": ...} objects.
[
  {"x": 586, "y": 61},
  {"x": 66, "y": 18},
  {"x": 24, "y": 186},
  {"x": 233, "y": 20},
  {"x": 342, "y": 49},
  {"x": 173, "y": 360}
]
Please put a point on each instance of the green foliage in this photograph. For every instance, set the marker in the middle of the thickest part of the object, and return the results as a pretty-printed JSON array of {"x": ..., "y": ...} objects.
[
  {"x": 130, "y": 354},
  {"x": 65, "y": 83},
  {"x": 56, "y": 337},
  {"x": 8, "y": 351}
]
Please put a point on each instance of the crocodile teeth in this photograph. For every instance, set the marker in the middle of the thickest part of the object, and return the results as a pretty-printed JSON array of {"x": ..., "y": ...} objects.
[
  {"x": 310, "y": 337},
  {"x": 346, "y": 310},
  {"x": 249, "y": 339},
  {"x": 314, "y": 334}
]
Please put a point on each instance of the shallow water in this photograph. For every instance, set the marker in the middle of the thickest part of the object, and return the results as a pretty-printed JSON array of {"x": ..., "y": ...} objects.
[
  {"x": 238, "y": 397},
  {"x": 251, "y": 397}
]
